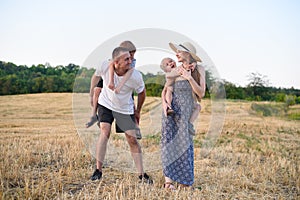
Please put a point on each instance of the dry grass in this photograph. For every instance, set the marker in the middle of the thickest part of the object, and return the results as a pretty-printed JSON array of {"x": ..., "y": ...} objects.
[{"x": 42, "y": 156}]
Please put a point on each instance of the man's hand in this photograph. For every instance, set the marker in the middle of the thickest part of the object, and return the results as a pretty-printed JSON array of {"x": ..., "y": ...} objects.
[
  {"x": 137, "y": 115},
  {"x": 140, "y": 102}
]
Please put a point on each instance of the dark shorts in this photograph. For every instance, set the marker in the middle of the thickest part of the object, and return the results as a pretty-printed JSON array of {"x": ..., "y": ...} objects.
[
  {"x": 100, "y": 83},
  {"x": 123, "y": 122},
  {"x": 118, "y": 129}
]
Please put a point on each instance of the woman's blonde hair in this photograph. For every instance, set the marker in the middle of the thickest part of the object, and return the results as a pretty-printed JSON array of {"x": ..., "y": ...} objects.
[{"x": 195, "y": 74}]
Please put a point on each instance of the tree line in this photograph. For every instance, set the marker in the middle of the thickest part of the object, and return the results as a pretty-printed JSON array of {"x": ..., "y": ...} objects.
[
  {"x": 41, "y": 78},
  {"x": 36, "y": 79}
]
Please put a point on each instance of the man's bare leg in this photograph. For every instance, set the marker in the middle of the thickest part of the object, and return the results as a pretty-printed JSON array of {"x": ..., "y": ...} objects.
[
  {"x": 101, "y": 149},
  {"x": 102, "y": 143},
  {"x": 135, "y": 150}
]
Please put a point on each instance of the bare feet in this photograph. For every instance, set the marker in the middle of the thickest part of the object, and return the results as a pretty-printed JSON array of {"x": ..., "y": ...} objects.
[{"x": 169, "y": 186}]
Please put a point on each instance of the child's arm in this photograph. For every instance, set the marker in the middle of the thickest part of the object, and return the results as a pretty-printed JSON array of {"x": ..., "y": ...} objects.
[
  {"x": 123, "y": 81},
  {"x": 111, "y": 84},
  {"x": 172, "y": 74}
]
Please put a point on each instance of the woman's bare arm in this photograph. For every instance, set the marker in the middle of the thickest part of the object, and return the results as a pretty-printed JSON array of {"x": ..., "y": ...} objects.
[{"x": 198, "y": 88}]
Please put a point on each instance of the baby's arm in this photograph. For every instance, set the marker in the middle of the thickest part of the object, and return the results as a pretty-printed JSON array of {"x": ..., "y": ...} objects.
[
  {"x": 111, "y": 84},
  {"x": 172, "y": 74},
  {"x": 170, "y": 77},
  {"x": 123, "y": 81}
]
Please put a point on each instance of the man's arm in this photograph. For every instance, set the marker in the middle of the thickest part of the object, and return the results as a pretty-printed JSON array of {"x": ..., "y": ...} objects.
[
  {"x": 111, "y": 84},
  {"x": 140, "y": 102}
]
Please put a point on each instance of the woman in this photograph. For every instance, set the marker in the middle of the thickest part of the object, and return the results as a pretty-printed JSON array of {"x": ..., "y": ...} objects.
[{"x": 176, "y": 142}]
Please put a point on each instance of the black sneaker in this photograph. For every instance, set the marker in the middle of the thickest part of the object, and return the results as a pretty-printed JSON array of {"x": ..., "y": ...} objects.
[
  {"x": 145, "y": 179},
  {"x": 92, "y": 121},
  {"x": 96, "y": 175}
]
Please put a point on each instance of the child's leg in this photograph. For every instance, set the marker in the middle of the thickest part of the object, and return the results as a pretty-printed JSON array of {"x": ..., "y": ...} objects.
[
  {"x": 169, "y": 98},
  {"x": 97, "y": 91},
  {"x": 94, "y": 117},
  {"x": 197, "y": 109}
]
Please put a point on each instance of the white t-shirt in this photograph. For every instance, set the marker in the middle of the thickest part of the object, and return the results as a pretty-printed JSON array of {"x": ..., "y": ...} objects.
[{"x": 121, "y": 102}]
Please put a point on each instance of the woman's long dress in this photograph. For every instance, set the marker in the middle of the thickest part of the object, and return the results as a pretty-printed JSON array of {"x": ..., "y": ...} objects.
[{"x": 176, "y": 142}]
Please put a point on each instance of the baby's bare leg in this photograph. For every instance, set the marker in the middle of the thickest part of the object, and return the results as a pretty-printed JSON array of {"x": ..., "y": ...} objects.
[{"x": 169, "y": 98}]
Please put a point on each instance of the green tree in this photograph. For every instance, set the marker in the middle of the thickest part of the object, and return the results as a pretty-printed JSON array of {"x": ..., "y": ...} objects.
[
  {"x": 290, "y": 100},
  {"x": 257, "y": 87},
  {"x": 297, "y": 100},
  {"x": 280, "y": 97}
]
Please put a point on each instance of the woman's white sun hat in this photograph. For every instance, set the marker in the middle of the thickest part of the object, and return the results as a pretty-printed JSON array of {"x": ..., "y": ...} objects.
[{"x": 187, "y": 47}]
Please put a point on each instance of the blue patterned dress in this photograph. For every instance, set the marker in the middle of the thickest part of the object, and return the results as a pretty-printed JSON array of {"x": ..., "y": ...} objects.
[{"x": 176, "y": 142}]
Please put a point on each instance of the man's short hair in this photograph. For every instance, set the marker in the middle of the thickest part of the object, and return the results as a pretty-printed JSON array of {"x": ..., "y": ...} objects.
[{"x": 118, "y": 51}]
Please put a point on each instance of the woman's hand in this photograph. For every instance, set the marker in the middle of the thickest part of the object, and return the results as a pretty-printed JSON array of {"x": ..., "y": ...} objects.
[{"x": 184, "y": 73}]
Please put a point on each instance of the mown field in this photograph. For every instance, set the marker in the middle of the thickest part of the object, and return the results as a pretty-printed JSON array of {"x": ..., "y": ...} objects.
[{"x": 44, "y": 157}]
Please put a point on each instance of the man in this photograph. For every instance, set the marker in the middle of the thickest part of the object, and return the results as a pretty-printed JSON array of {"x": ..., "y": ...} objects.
[
  {"x": 120, "y": 107},
  {"x": 95, "y": 91}
]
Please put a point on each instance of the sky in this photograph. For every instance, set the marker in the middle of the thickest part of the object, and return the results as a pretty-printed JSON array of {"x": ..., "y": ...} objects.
[{"x": 240, "y": 37}]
